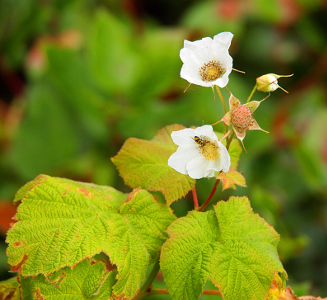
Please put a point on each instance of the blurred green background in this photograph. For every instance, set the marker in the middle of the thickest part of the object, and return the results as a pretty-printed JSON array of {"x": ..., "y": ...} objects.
[{"x": 79, "y": 77}]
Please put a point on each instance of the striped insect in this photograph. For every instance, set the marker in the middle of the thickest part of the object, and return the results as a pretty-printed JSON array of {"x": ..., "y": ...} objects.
[{"x": 200, "y": 141}]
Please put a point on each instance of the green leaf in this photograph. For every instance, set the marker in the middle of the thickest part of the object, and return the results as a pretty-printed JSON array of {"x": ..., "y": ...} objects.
[
  {"x": 231, "y": 246},
  {"x": 56, "y": 215},
  {"x": 138, "y": 234},
  {"x": 41, "y": 142},
  {"x": 270, "y": 13},
  {"x": 61, "y": 222},
  {"x": 9, "y": 289},
  {"x": 231, "y": 178},
  {"x": 87, "y": 280},
  {"x": 234, "y": 151},
  {"x": 145, "y": 164},
  {"x": 112, "y": 52}
]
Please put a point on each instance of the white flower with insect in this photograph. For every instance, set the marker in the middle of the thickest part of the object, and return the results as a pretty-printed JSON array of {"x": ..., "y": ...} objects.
[
  {"x": 199, "y": 154},
  {"x": 207, "y": 62}
]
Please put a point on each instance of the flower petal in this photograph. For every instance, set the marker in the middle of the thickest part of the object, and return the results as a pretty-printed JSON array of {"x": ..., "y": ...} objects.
[
  {"x": 183, "y": 136},
  {"x": 223, "y": 80},
  {"x": 213, "y": 167},
  {"x": 203, "y": 49},
  {"x": 206, "y": 130},
  {"x": 222, "y": 163},
  {"x": 193, "y": 75},
  {"x": 206, "y": 42},
  {"x": 189, "y": 58},
  {"x": 273, "y": 83},
  {"x": 221, "y": 54},
  {"x": 224, "y": 38},
  {"x": 224, "y": 159},
  {"x": 196, "y": 168},
  {"x": 181, "y": 157},
  {"x": 191, "y": 66}
]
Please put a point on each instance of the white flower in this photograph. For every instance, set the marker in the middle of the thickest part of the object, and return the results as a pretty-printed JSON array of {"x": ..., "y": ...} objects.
[
  {"x": 199, "y": 154},
  {"x": 207, "y": 62}
]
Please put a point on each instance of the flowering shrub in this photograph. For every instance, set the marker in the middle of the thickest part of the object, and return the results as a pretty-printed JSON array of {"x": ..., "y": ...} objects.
[{"x": 62, "y": 225}]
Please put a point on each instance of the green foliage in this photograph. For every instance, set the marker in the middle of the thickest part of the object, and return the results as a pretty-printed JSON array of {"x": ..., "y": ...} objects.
[
  {"x": 234, "y": 151},
  {"x": 61, "y": 222},
  {"x": 230, "y": 246},
  {"x": 87, "y": 280},
  {"x": 9, "y": 289},
  {"x": 117, "y": 62},
  {"x": 44, "y": 112},
  {"x": 66, "y": 108},
  {"x": 232, "y": 178},
  {"x": 144, "y": 163}
]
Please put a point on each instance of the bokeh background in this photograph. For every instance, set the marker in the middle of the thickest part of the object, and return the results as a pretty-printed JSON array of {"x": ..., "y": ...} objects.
[{"x": 79, "y": 77}]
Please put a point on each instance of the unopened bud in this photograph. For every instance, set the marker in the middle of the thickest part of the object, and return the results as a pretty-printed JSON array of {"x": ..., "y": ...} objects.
[{"x": 268, "y": 83}]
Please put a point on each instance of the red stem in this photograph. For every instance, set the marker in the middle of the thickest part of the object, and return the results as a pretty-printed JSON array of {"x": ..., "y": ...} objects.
[
  {"x": 195, "y": 198},
  {"x": 205, "y": 292},
  {"x": 210, "y": 196}
]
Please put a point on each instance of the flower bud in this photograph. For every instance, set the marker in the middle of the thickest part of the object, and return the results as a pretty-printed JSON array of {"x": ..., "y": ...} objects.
[{"x": 268, "y": 83}]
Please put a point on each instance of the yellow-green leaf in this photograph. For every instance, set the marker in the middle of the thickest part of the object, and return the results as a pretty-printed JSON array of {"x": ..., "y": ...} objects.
[
  {"x": 61, "y": 222},
  {"x": 231, "y": 178},
  {"x": 231, "y": 246},
  {"x": 9, "y": 289},
  {"x": 234, "y": 151},
  {"x": 85, "y": 281},
  {"x": 145, "y": 164}
]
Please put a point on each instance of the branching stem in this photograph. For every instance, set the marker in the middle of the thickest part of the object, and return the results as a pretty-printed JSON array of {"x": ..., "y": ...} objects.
[
  {"x": 164, "y": 291},
  {"x": 144, "y": 291},
  {"x": 224, "y": 104},
  {"x": 229, "y": 140},
  {"x": 254, "y": 89},
  {"x": 147, "y": 291},
  {"x": 221, "y": 98},
  {"x": 210, "y": 196}
]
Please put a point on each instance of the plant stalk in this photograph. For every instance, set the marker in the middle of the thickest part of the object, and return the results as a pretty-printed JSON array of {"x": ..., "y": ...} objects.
[
  {"x": 195, "y": 198},
  {"x": 230, "y": 139},
  {"x": 146, "y": 288},
  {"x": 221, "y": 98},
  {"x": 254, "y": 89},
  {"x": 224, "y": 104},
  {"x": 164, "y": 291},
  {"x": 210, "y": 196}
]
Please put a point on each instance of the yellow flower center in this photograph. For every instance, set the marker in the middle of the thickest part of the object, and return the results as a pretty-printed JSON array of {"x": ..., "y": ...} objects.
[
  {"x": 211, "y": 71},
  {"x": 207, "y": 148}
]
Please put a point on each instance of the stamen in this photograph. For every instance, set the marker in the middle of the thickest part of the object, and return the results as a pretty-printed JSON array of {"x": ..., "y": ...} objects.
[
  {"x": 211, "y": 71},
  {"x": 209, "y": 151},
  {"x": 207, "y": 148}
]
